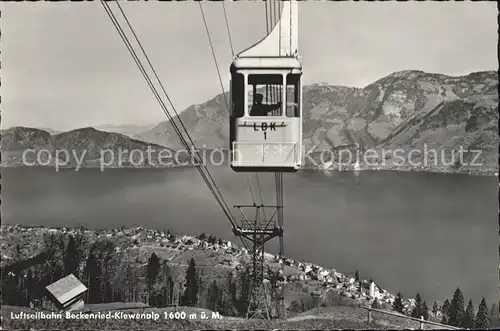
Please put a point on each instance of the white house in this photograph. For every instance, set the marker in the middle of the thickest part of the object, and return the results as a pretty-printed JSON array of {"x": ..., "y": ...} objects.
[{"x": 67, "y": 293}]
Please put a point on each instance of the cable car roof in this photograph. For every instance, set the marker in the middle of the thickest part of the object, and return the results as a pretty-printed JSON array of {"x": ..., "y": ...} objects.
[
  {"x": 283, "y": 40},
  {"x": 266, "y": 63}
]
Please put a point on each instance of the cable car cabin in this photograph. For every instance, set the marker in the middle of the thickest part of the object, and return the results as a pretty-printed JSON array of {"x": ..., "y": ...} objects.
[{"x": 266, "y": 114}]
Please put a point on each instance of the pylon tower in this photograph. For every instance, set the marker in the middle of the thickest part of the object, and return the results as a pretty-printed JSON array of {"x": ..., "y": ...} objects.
[
  {"x": 277, "y": 293},
  {"x": 257, "y": 231}
]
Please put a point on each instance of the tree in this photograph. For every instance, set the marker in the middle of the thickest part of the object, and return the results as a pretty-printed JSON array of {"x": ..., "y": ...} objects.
[
  {"x": 162, "y": 287},
  {"x": 99, "y": 269},
  {"x": 131, "y": 283},
  {"x": 220, "y": 241},
  {"x": 107, "y": 257},
  {"x": 425, "y": 311},
  {"x": 213, "y": 299},
  {"x": 375, "y": 304},
  {"x": 457, "y": 308},
  {"x": 445, "y": 312},
  {"x": 201, "y": 288},
  {"x": 434, "y": 308},
  {"x": 10, "y": 293},
  {"x": 398, "y": 303},
  {"x": 244, "y": 299},
  {"x": 92, "y": 275},
  {"x": 494, "y": 315},
  {"x": 71, "y": 258},
  {"x": 356, "y": 276},
  {"x": 202, "y": 236},
  {"x": 170, "y": 287},
  {"x": 191, "y": 286},
  {"x": 482, "y": 321},
  {"x": 30, "y": 285},
  {"x": 53, "y": 246},
  {"x": 446, "y": 308},
  {"x": 108, "y": 292},
  {"x": 468, "y": 318},
  {"x": 152, "y": 270},
  {"x": 417, "y": 311},
  {"x": 230, "y": 298}
]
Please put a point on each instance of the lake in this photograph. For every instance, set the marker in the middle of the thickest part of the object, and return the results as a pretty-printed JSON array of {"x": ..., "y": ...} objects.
[{"x": 410, "y": 232}]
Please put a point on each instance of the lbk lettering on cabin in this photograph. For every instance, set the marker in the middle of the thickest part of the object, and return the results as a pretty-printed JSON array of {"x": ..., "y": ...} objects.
[{"x": 263, "y": 126}]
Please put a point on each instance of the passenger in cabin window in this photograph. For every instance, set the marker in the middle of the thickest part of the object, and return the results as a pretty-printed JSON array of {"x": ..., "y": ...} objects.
[{"x": 260, "y": 109}]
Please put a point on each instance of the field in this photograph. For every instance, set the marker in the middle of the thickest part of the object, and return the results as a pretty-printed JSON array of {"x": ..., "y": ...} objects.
[{"x": 196, "y": 318}]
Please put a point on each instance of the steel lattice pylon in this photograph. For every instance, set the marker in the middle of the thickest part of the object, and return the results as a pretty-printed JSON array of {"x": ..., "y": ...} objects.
[
  {"x": 277, "y": 294},
  {"x": 258, "y": 231}
]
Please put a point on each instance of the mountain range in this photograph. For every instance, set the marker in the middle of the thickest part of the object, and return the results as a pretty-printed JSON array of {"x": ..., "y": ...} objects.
[
  {"x": 405, "y": 111},
  {"x": 86, "y": 147},
  {"x": 127, "y": 130}
]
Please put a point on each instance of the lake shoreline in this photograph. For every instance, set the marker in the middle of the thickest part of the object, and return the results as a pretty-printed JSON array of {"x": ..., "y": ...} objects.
[{"x": 487, "y": 172}]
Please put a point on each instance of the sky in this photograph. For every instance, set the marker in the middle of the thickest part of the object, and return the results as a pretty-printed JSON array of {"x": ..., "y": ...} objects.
[{"x": 64, "y": 65}]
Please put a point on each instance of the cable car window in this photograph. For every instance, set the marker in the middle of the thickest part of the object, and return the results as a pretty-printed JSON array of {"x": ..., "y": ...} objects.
[
  {"x": 265, "y": 95},
  {"x": 237, "y": 94},
  {"x": 292, "y": 95}
]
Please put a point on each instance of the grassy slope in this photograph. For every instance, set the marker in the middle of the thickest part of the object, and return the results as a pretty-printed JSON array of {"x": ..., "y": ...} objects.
[
  {"x": 334, "y": 321},
  {"x": 319, "y": 318},
  {"x": 343, "y": 312}
]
